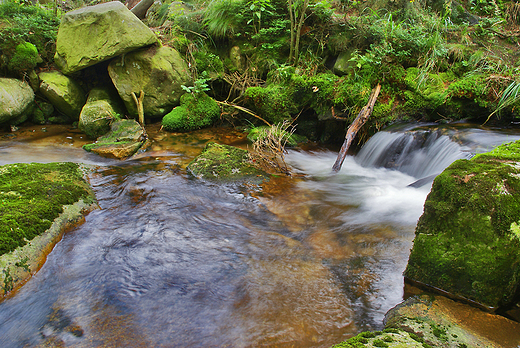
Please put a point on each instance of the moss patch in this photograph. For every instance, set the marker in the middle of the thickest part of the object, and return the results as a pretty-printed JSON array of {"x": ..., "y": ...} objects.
[
  {"x": 196, "y": 111},
  {"x": 33, "y": 195},
  {"x": 465, "y": 241},
  {"x": 224, "y": 162}
]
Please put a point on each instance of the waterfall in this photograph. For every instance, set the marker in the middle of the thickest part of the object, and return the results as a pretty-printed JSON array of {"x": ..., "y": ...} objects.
[{"x": 419, "y": 153}]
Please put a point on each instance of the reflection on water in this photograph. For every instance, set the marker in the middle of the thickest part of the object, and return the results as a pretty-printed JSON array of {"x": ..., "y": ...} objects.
[{"x": 171, "y": 261}]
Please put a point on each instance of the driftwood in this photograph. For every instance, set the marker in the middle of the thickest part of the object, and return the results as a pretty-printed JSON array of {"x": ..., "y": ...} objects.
[
  {"x": 139, "y": 105},
  {"x": 139, "y": 8},
  {"x": 352, "y": 130}
]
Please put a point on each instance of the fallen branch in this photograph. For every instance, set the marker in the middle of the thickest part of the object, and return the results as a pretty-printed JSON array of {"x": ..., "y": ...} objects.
[
  {"x": 352, "y": 130},
  {"x": 139, "y": 105},
  {"x": 241, "y": 108}
]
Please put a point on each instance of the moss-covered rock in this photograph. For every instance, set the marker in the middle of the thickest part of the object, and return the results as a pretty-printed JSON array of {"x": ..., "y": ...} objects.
[
  {"x": 33, "y": 195},
  {"x": 438, "y": 321},
  {"x": 25, "y": 58},
  {"x": 100, "y": 110},
  {"x": 92, "y": 34},
  {"x": 197, "y": 110},
  {"x": 274, "y": 102},
  {"x": 63, "y": 92},
  {"x": 125, "y": 138},
  {"x": 386, "y": 338},
  {"x": 159, "y": 72},
  {"x": 224, "y": 162},
  {"x": 467, "y": 242}
]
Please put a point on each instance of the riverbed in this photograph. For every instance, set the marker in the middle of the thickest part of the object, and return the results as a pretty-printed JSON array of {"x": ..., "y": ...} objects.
[{"x": 173, "y": 261}]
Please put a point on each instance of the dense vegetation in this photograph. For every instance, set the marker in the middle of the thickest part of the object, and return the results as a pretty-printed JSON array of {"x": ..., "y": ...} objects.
[{"x": 315, "y": 62}]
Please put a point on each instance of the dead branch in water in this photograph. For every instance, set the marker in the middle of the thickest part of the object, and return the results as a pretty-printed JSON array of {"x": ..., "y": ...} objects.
[{"x": 360, "y": 120}]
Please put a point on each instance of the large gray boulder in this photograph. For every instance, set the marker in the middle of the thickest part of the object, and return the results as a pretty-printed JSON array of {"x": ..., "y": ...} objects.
[
  {"x": 101, "y": 109},
  {"x": 63, "y": 92},
  {"x": 158, "y": 71},
  {"x": 16, "y": 98},
  {"x": 97, "y": 33}
]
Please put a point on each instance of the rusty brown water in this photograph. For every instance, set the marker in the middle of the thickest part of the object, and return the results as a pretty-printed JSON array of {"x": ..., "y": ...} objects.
[{"x": 173, "y": 261}]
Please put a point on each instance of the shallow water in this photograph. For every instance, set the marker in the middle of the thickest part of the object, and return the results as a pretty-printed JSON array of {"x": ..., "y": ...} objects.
[{"x": 173, "y": 261}]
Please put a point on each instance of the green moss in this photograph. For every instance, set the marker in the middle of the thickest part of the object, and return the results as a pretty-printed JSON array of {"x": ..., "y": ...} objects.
[
  {"x": 224, "y": 162},
  {"x": 196, "y": 111},
  {"x": 26, "y": 57},
  {"x": 32, "y": 196},
  {"x": 274, "y": 102},
  {"x": 465, "y": 243}
]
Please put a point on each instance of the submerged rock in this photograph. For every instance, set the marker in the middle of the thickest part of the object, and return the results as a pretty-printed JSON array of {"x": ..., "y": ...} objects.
[
  {"x": 93, "y": 34},
  {"x": 64, "y": 93},
  {"x": 16, "y": 99},
  {"x": 224, "y": 162},
  {"x": 125, "y": 138},
  {"x": 467, "y": 241},
  {"x": 158, "y": 71}
]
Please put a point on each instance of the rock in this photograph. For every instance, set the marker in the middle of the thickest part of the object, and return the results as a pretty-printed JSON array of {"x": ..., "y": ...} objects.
[
  {"x": 16, "y": 99},
  {"x": 224, "y": 162},
  {"x": 467, "y": 242},
  {"x": 40, "y": 201},
  {"x": 387, "y": 338},
  {"x": 195, "y": 112},
  {"x": 125, "y": 138},
  {"x": 441, "y": 322},
  {"x": 101, "y": 109},
  {"x": 92, "y": 34},
  {"x": 158, "y": 71},
  {"x": 63, "y": 92},
  {"x": 41, "y": 113},
  {"x": 237, "y": 60},
  {"x": 343, "y": 64}
]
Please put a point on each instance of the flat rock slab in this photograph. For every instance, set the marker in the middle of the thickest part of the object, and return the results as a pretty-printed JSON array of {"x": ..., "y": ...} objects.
[
  {"x": 442, "y": 322},
  {"x": 93, "y": 34},
  {"x": 125, "y": 138}
]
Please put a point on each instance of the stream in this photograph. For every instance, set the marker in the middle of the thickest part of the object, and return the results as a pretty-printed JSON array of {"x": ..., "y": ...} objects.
[{"x": 174, "y": 261}]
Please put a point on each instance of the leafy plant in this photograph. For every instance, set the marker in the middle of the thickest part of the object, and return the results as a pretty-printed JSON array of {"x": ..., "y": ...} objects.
[{"x": 199, "y": 86}]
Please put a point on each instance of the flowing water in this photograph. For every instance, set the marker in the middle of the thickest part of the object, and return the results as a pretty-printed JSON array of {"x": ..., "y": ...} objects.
[{"x": 173, "y": 261}]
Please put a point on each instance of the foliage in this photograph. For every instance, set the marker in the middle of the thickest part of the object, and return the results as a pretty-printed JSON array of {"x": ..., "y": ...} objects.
[{"x": 20, "y": 23}]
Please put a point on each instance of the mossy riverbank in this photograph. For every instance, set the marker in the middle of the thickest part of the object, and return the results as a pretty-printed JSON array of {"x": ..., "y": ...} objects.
[{"x": 39, "y": 201}]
